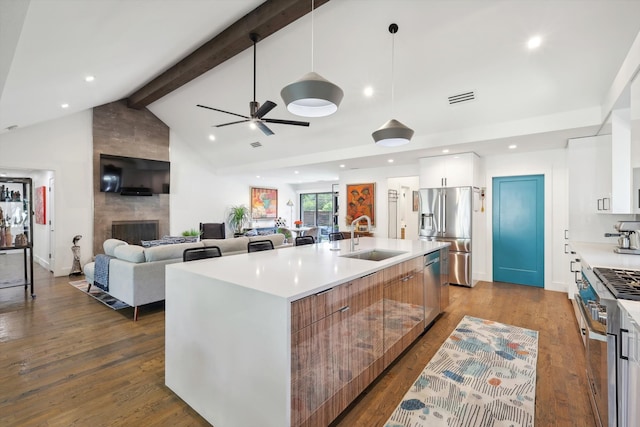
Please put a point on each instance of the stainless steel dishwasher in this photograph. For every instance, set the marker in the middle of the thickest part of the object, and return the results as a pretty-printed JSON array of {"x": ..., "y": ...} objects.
[{"x": 431, "y": 275}]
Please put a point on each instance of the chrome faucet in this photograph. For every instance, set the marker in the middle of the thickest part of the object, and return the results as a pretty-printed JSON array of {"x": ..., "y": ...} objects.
[{"x": 353, "y": 223}]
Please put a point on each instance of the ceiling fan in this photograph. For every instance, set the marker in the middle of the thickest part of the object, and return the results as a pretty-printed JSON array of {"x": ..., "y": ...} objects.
[{"x": 257, "y": 111}]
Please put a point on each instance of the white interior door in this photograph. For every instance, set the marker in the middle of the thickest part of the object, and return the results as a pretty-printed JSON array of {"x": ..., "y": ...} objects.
[{"x": 51, "y": 223}]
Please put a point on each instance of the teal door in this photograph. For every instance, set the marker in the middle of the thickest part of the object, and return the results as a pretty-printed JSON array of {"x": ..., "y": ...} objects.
[{"x": 518, "y": 230}]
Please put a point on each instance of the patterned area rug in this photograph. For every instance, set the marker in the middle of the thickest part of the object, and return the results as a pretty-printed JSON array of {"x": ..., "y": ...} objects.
[
  {"x": 483, "y": 375},
  {"x": 100, "y": 295}
]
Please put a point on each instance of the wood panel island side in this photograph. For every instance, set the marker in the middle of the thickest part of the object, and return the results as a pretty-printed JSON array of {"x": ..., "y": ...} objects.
[{"x": 290, "y": 337}]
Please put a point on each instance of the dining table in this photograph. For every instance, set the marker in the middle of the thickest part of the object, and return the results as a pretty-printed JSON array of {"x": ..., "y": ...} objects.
[{"x": 298, "y": 231}]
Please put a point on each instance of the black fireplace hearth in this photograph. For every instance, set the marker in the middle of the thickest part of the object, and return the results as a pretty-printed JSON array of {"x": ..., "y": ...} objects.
[{"x": 133, "y": 232}]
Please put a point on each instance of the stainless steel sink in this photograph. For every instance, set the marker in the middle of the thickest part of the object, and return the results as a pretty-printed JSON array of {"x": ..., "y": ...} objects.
[{"x": 374, "y": 254}]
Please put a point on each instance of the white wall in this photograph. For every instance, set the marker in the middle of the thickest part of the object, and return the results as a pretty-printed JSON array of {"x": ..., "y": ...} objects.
[
  {"x": 199, "y": 195},
  {"x": 552, "y": 164},
  {"x": 64, "y": 147},
  {"x": 380, "y": 176}
]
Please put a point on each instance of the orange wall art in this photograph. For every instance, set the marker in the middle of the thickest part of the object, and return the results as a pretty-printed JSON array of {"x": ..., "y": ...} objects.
[{"x": 361, "y": 200}]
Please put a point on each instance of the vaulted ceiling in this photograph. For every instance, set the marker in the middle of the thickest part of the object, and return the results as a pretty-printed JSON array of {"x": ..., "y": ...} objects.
[{"x": 535, "y": 98}]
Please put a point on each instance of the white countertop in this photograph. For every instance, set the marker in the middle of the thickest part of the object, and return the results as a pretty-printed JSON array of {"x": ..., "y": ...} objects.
[
  {"x": 296, "y": 272},
  {"x": 602, "y": 255}
]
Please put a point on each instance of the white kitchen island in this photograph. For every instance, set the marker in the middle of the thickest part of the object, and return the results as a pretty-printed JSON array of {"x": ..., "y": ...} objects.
[{"x": 228, "y": 323}]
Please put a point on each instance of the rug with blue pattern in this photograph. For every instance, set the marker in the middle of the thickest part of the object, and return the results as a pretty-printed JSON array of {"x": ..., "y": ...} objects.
[{"x": 483, "y": 375}]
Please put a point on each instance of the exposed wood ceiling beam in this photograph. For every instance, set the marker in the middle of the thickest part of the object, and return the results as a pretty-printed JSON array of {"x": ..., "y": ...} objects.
[{"x": 266, "y": 19}]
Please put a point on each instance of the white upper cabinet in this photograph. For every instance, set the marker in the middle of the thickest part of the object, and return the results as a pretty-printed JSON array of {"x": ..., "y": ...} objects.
[{"x": 459, "y": 170}]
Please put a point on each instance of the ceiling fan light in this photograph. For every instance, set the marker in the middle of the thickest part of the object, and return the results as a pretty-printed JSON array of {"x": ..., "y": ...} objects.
[
  {"x": 312, "y": 96},
  {"x": 392, "y": 134}
]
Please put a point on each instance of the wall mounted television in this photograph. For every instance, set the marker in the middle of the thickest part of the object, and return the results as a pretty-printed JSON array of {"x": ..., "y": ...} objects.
[{"x": 132, "y": 176}]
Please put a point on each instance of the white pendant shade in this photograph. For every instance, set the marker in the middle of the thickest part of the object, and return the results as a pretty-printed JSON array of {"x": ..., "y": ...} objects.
[
  {"x": 312, "y": 96},
  {"x": 392, "y": 134}
]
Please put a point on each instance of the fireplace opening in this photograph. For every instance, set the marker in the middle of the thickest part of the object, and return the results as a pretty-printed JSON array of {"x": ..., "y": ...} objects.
[{"x": 133, "y": 232}]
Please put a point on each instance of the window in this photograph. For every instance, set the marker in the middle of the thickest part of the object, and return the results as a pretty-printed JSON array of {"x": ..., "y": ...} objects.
[{"x": 318, "y": 210}]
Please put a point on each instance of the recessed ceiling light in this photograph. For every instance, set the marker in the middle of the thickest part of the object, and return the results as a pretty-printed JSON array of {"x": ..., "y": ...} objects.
[
  {"x": 534, "y": 42},
  {"x": 390, "y": 160},
  {"x": 3, "y": 174},
  {"x": 89, "y": 79},
  {"x": 368, "y": 91},
  {"x": 64, "y": 105},
  {"x": 445, "y": 151},
  {"x": 512, "y": 146},
  {"x": 257, "y": 176},
  {"x": 212, "y": 137},
  {"x": 342, "y": 166},
  {"x": 296, "y": 172}
]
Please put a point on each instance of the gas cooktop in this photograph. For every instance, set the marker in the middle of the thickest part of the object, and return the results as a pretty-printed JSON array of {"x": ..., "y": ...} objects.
[{"x": 623, "y": 284}]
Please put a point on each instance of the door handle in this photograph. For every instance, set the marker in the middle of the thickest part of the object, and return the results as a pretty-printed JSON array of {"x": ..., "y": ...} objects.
[
  {"x": 622, "y": 340},
  {"x": 566, "y": 234},
  {"x": 571, "y": 266},
  {"x": 566, "y": 248}
]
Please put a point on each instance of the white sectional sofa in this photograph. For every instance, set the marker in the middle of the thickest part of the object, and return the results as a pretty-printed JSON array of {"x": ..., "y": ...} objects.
[{"x": 136, "y": 273}]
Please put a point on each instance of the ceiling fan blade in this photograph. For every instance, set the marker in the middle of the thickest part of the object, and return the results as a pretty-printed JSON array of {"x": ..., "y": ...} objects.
[
  {"x": 264, "y": 128},
  {"x": 222, "y": 111},
  {"x": 265, "y": 108},
  {"x": 286, "y": 122},
  {"x": 232, "y": 123}
]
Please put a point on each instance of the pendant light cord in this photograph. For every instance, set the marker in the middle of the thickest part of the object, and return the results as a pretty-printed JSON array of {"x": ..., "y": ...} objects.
[
  {"x": 393, "y": 46},
  {"x": 312, "y": 9}
]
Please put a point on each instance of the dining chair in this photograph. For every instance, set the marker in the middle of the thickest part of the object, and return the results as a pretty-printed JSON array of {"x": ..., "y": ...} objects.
[
  {"x": 336, "y": 236},
  {"x": 313, "y": 232},
  {"x": 193, "y": 254},
  {"x": 212, "y": 230},
  {"x": 305, "y": 240},
  {"x": 259, "y": 245}
]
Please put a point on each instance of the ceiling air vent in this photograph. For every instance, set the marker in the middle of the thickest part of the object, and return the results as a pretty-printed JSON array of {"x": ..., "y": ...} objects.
[
  {"x": 256, "y": 144},
  {"x": 462, "y": 97}
]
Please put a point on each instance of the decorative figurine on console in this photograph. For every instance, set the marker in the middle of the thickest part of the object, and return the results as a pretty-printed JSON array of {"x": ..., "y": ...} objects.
[{"x": 76, "y": 268}]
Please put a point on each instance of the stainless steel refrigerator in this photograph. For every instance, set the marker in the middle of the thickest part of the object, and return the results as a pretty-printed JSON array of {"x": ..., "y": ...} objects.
[{"x": 446, "y": 216}]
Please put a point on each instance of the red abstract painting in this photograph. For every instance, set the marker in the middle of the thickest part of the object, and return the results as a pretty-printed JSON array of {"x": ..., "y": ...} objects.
[{"x": 41, "y": 205}]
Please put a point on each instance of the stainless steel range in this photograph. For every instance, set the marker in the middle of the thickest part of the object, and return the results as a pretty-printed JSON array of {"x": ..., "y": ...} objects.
[
  {"x": 623, "y": 284},
  {"x": 598, "y": 304}
]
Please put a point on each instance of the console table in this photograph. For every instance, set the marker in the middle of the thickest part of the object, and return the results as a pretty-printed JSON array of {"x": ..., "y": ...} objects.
[{"x": 28, "y": 268}]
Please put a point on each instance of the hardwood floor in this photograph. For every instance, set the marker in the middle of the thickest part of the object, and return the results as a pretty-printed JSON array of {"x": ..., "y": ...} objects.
[{"x": 67, "y": 360}]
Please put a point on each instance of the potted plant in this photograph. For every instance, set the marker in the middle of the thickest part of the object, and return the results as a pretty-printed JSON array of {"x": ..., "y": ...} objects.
[{"x": 237, "y": 217}]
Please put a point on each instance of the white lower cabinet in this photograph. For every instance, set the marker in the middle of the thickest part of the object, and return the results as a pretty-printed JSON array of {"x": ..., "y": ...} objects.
[{"x": 629, "y": 370}]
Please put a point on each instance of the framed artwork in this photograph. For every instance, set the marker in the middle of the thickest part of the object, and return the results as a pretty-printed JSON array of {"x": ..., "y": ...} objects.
[
  {"x": 416, "y": 201},
  {"x": 41, "y": 205},
  {"x": 264, "y": 203},
  {"x": 361, "y": 200}
]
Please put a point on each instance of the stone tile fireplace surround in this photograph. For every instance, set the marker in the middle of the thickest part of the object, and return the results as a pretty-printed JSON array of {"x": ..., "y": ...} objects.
[{"x": 123, "y": 131}]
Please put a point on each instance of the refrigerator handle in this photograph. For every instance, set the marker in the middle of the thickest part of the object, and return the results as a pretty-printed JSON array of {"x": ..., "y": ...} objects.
[{"x": 444, "y": 212}]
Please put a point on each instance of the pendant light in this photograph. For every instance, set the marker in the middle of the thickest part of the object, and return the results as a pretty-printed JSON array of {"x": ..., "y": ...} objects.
[
  {"x": 312, "y": 95},
  {"x": 392, "y": 133}
]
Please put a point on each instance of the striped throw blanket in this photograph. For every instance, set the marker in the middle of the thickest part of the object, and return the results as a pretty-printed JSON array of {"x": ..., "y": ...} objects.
[{"x": 101, "y": 275}]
